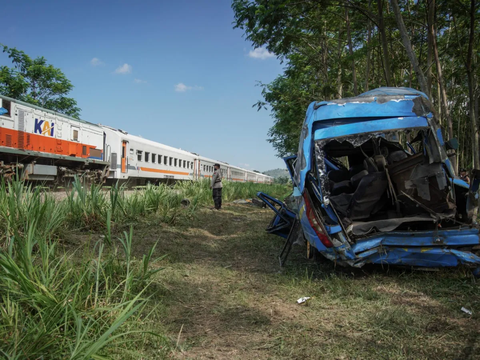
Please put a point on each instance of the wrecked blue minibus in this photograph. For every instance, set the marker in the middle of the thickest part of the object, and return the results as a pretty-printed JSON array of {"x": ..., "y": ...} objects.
[{"x": 373, "y": 183}]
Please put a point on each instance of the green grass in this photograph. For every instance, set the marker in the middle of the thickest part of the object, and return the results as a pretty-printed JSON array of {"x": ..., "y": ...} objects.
[
  {"x": 95, "y": 299},
  {"x": 223, "y": 287},
  {"x": 132, "y": 274}
]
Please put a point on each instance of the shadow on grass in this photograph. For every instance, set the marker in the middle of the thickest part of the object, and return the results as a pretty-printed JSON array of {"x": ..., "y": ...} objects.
[{"x": 224, "y": 289}]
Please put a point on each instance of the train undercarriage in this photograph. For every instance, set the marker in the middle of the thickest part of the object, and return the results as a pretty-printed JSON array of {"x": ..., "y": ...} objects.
[{"x": 50, "y": 169}]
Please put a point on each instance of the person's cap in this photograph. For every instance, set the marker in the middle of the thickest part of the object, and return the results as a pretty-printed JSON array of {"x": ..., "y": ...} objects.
[
  {"x": 463, "y": 170},
  {"x": 217, "y": 165}
]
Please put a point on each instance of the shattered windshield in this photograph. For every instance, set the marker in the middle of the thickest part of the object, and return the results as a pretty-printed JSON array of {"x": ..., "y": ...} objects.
[{"x": 385, "y": 175}]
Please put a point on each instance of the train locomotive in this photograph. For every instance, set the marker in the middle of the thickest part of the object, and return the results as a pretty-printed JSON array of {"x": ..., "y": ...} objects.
[{"x": 43, "y": 145}]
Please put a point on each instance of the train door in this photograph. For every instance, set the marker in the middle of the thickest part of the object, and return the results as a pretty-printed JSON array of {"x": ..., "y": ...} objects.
[{"x": 124, "y": 156}]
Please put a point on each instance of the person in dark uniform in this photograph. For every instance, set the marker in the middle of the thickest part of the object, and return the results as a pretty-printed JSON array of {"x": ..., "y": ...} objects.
[
  {"x": 464, "y": 176},
  {"x": 216, "y": 186}
]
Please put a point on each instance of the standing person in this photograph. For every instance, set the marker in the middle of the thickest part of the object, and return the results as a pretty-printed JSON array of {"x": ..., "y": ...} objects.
[
  {"x": 217, "y": 187},
  {"x": 464, "y": 176}
]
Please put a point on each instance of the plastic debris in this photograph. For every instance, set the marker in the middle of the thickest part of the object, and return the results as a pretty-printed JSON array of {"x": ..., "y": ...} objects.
[
  {"x": 303, "y": 300},
  {"x": 241, "y": 201},
  {"x": 466, "y": 311}
]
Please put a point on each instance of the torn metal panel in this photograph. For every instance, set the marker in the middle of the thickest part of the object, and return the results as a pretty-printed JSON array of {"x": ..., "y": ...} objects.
[
  {"x": 422, "y": 256},
  {"x": 458, "y": 237},
  {"x": 370, "y": 126}
]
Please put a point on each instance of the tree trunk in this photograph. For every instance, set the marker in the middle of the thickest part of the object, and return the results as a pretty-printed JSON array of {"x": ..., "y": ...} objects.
[
  {"x": 350, "y": 50},
  {"x": 339, "y": 74},
  {"x": 369, "y": 51},
  {"x": 471, "y": 89},
  {"x": 383, "y": 36},
  {"x": 408, "y": 47},
  {"x": 443, "y": 94},
  {"x": 430, "y": 23}
]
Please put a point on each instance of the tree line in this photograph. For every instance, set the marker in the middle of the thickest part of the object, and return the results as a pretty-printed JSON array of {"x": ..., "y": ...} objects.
[
  {"x": 36, "y": 82},
  {"x": 333, "y": 49}
]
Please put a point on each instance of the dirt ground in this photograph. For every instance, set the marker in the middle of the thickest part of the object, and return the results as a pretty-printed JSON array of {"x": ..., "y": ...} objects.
[{"x": 223, "y": 295}]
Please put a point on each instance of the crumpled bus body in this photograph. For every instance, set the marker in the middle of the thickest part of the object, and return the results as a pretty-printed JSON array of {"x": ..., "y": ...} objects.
[{"x": 373, "y": 184}]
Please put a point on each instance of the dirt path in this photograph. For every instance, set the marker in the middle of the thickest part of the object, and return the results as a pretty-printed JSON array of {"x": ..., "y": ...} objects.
[{"x": 222, "y": 295}]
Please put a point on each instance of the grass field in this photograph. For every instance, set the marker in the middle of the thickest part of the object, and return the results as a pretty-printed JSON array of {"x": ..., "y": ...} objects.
[
  {"x": 205, "y": 284},
  {"x": 223, "y": 295}
]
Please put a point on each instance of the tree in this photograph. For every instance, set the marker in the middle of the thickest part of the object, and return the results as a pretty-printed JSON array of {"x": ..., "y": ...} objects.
[
  {"x": 338, "y": 48},
  {"x": 282, "y": 180},
  {"x": 36, "y": 82}
]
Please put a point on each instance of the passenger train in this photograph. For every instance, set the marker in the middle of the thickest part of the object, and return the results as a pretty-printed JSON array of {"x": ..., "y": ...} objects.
[{"x": 44, "y": 145}]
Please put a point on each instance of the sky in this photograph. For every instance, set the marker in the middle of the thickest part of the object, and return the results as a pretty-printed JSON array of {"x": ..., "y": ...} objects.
[{"x": 175, "y": 72}]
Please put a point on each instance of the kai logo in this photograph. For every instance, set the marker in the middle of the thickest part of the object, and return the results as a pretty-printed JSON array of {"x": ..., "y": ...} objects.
[{"x": 44, "y": 127}]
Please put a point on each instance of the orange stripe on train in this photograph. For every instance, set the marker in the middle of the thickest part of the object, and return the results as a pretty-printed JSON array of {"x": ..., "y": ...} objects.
[
  {"x": 164, "y": 171},
  {"x": 32, "y": 142}
]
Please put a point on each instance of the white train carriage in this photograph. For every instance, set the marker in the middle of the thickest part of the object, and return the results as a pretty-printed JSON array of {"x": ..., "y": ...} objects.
[
  {"x": 251, "y": 176},
  {"x": 46, "y": 144},
  {"x": 133, "y": 157},
  {"x": 206, "y": 168},
  {"x": 237, "y": 174}
]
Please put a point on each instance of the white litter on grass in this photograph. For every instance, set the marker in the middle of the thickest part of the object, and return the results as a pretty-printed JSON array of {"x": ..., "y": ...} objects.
[
  {"x": 241, "y": 201},
  {"x": 466, "y": 311},
  {"x": 303, "y": 299}
]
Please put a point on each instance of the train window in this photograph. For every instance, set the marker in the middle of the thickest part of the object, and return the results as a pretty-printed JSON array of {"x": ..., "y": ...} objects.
[
  {"x": 139, "y": 155},
  {"x": 170, "y": 162},
  {"x": 75, "y": 135},
  {"x": 159, "y": 159},
  {"x": 184, "y": 164},
  {"x": 132, "y": 152},
  {"x": 147, "y": 156},
  {"x": 191, "y": 165},
  {"x": 175, "y": 162},
  {"x": 154, "y": 158},
  {"x": 6, "y": 105}
]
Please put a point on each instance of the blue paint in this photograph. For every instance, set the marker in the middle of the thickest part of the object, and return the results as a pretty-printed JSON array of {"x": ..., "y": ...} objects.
[
  {"x": 390, "y": 124},
  {"x": 369, "y": 113},
  {"x": 463, "y": 237},
  {"x": 461, "y": 183},
  {"x": 424, "y": 257}
]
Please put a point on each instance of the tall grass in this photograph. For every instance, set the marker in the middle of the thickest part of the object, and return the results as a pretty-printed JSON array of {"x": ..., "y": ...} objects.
[
  {"x": 55, "y": 306},
  {"x": 231, "y": 191},
  {"x": 88, "y": 207},
  {"x": 20, "y": 204}
]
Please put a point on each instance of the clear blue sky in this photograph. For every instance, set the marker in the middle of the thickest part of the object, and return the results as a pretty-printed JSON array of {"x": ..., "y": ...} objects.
[{"x": 171, "y": 71}]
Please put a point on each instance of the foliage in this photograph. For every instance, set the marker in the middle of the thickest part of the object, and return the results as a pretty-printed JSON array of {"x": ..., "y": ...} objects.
[
  {"x": 52, "y": 305},
  {"x": 341, "y": 48},
  {"x": 282, "y": 180},
  {"x": 56, "y": 306},
  {"x": 37, "y": 82}
]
